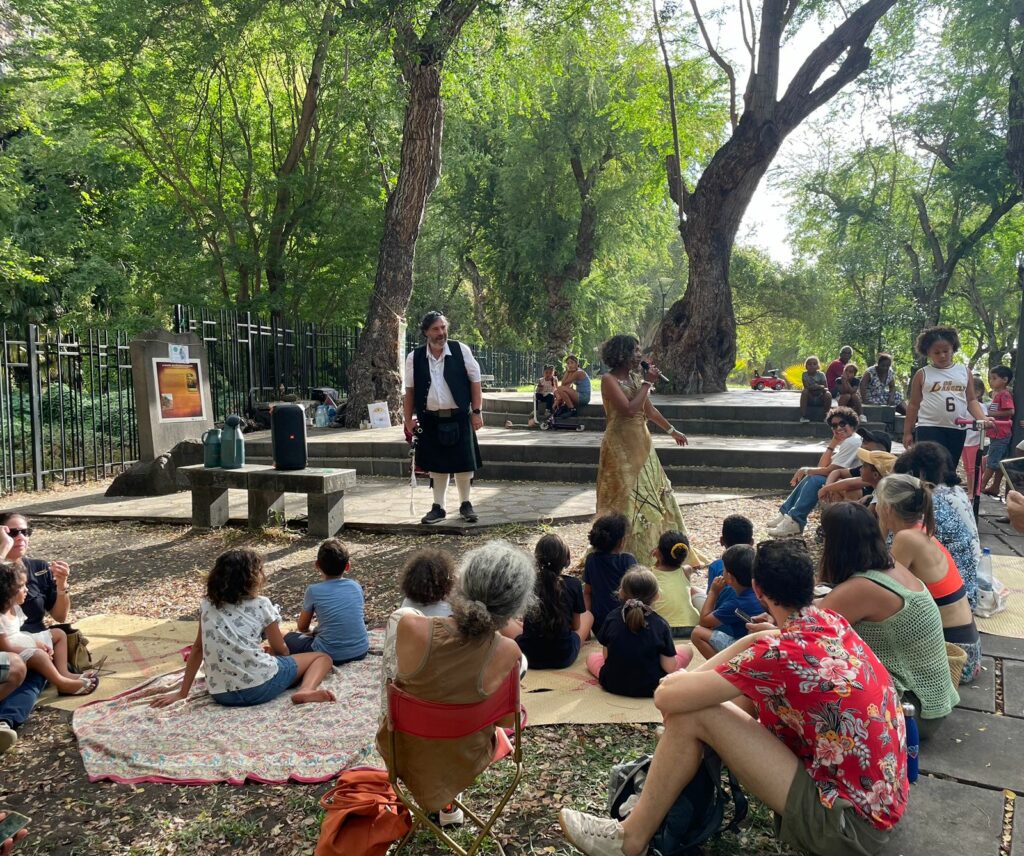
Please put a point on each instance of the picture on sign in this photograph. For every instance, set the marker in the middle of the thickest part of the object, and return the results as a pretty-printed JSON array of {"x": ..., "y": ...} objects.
[
  {"x": 179, "y": 390},
  {"x": 379, "y": 415}
]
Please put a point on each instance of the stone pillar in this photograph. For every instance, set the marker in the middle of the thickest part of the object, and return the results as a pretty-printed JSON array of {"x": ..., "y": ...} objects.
[{"x": 172, "y": 399}]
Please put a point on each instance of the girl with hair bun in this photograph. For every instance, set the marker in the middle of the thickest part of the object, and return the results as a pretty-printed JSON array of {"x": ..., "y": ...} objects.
[
  {"x": 673, "y": 576},
  {"x": 559, "y": 622},
  {"x": 905, "y": 509},
  {"x": 638, "y": 648}
]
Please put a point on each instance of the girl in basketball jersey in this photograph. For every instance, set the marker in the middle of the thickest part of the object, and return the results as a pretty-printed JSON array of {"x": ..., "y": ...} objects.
[{"x": 941, "y": 393}]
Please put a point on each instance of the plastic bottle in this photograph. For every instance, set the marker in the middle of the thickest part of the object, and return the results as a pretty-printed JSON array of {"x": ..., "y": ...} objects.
[
  {"x": 985, "y": 570},
  {"x": 232, "y": 445},
  {"x": 913, "y": 741},
  {"x": 211, "y": 448}
]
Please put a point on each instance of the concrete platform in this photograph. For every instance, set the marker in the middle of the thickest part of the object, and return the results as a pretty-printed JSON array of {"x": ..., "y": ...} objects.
[
  {"x": 978, "y": 749},
  {"x": 945, "y": 817},
  {"x": 373, "y": 505}
]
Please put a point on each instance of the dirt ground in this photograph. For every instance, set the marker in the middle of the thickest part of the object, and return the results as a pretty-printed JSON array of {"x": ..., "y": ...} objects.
[{"x": 157, "y": 571}]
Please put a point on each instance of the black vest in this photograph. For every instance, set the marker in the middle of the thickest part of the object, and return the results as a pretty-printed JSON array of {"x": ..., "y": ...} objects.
[{"x": 454, "y": 375}]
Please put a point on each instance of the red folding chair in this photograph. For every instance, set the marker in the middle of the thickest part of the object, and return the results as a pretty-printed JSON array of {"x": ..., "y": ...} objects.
[{"x": 432, "y": 720}]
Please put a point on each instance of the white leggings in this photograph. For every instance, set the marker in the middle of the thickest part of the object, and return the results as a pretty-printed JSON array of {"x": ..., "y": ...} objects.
[{"x": 462, "y": 482}]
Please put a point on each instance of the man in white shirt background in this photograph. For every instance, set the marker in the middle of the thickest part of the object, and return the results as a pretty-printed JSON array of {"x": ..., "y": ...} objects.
[{"x": 443, "y": 393}]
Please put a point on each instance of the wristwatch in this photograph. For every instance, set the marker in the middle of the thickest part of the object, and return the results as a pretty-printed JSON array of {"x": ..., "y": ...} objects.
[{"x": 476, "y": 411}]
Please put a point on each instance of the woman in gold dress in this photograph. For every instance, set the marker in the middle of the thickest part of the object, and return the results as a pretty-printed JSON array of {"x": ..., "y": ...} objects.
[{"x": 630, "y": 477}]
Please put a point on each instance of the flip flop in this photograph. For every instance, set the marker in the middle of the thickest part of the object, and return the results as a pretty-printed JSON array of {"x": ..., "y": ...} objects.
[{"x": 89, "y": 684}]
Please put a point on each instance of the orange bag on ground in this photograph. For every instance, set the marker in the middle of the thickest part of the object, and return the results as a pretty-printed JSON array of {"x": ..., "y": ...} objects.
[{"x": 363, "y": 816}]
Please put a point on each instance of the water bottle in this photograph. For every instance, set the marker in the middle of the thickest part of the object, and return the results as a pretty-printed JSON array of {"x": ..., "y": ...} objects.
[
  {"x": 211, "y": 448},
  {"x": 913, "y": 741},
  {"x": 232, "y": 444},
  {"x": 985, "y": 570}
]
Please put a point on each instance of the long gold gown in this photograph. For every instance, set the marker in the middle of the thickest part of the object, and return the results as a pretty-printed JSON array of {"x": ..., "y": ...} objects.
[{"x": 630, "y": 479}]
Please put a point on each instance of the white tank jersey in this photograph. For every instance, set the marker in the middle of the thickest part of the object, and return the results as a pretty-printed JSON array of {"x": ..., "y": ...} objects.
[{"x": 944, "y": 396}]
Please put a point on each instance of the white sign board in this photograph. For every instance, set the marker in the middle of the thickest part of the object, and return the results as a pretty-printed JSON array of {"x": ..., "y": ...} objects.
[
  {"x": 379, "y": 415},
  {"x": 177, "y": 353}
]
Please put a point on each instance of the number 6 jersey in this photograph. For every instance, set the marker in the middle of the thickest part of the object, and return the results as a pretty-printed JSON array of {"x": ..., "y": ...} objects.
[{"x": 944, "y": 396}]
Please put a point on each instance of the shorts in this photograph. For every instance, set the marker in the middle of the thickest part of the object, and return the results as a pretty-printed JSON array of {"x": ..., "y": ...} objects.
[
  {"x": 287, "y": 672},
  {"x": 302, "y": 643},
  {"x": 997, "y": 450},
  {"x": 807, "y": 824},
  {"x": 720, "y": 640}
]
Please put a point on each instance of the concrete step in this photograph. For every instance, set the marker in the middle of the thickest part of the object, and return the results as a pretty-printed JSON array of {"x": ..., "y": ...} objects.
[{"x": 583, "y": 472}]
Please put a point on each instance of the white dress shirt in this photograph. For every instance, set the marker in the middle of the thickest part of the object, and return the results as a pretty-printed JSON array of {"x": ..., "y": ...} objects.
[{"x": 439, "y": 397}]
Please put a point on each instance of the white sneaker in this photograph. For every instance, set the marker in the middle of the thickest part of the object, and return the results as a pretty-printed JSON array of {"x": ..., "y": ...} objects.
[
  {"x": 775, "y": 521},
  {"x": 786, "y": 528},
  {"x": 8, "y": 737},
  {"x": 594, "y": 836},
  {"x": 804, "y": 419},
  {"x": 455, "y": 817}
]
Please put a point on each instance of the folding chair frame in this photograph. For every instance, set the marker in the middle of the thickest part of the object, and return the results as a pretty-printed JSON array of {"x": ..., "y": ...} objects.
[{"x": 484, "y": 827}]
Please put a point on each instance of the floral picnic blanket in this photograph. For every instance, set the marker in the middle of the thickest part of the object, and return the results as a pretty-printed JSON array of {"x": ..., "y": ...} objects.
[{"x": 197, "y": 741}]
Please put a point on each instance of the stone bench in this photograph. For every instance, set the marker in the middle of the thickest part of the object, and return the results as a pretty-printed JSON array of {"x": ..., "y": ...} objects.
[{"x": 266, "y": 486}]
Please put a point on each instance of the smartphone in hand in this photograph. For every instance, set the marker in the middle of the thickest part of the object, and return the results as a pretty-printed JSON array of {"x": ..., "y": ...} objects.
[
  {"x": 12, "y": 824},
  {"x": 742, "y": 616},
  {"x": 1013, "y": 469}
]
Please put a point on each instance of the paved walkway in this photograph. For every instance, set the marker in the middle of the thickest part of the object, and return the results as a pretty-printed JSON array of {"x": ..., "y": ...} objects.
[
  {"x": 375, "y": 504},
  {"x": 973, "y": 768}
]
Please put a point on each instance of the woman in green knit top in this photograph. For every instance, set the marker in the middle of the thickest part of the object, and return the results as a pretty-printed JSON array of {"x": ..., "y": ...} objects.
[{"x": 891, "y": 610}]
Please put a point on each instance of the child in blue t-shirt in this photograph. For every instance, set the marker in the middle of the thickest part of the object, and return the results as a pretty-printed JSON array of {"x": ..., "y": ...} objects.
[
  {"x": 605, "y": 566},
  {"x": 720, "y": 626},
  {"x": 337, "y": 604},
  {"x": 736, "y": 529}
]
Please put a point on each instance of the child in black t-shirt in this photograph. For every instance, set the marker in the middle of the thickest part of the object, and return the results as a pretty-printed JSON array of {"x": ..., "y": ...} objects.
[
  {"x": 638, "y": 647},
  {"x": 606, "y": 565},
  {"x": 556, "y": 627}
]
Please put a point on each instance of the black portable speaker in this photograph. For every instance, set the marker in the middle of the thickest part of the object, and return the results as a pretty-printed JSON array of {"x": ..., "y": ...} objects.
[{"x": 288, "y": 436}]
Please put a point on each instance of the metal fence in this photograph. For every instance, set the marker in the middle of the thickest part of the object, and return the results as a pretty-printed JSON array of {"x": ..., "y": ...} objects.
[
  {"x": 67, "y": 409},
  {"x": 268, "y": 357}
]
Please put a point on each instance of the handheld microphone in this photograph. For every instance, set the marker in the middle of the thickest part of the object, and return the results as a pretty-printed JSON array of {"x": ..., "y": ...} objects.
[{"x": 646, "y": 367}]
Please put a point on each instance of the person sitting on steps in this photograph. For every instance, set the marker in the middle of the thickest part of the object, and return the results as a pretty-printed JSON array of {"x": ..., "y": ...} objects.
[
  {"x": 815, "y": 392},
  {"x": 574, "y": 390},
  {"x": 837, "y": 784},
  {"x": 841, "y": 453}
]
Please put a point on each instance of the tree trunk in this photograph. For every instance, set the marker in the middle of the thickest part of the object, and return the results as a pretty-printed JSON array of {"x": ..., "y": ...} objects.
[
  {"x": 696, "y": 342},
  {"x": 472, "y": 270},
  {"x": 374, "y": 374}
]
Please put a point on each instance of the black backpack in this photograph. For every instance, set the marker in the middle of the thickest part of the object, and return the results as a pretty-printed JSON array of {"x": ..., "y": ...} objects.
[{"x": 697, "y": 814}]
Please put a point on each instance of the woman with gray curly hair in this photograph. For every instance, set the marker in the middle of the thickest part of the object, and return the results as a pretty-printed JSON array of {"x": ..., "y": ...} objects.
[
  {"x": 461, "y": 659},
  {"x": 630, "y": 478}
]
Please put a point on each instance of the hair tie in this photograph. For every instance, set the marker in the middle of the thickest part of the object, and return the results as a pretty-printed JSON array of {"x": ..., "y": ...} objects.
[
  {"x": 683, "y": 546},
  {"x": 634, "y": 603}
]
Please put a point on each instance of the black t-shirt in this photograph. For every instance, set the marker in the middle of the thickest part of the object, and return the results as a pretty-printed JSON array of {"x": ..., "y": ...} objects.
[
  {"x": 42, "y": 594},
  {"x": 603, "y": 572},
  {"x": 633, "y": 666},
  {"x": 551, "y": 652}
]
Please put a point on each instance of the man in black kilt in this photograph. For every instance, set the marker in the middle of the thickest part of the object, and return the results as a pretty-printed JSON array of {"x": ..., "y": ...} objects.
[{"x": 442, "y": 388}]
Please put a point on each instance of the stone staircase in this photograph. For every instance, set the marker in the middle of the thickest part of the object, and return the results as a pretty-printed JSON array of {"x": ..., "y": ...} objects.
[{"x": 739, "y": 440}]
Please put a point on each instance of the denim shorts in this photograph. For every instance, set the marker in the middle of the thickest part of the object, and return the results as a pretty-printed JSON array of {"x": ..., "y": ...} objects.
[
  {"x": 997, "y": 450},
  {"x": 287, "y": 671},
  {"x": 720, "y": 640}
]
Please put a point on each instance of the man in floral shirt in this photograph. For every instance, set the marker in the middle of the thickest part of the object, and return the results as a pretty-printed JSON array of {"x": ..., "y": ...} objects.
[{"x": 828, "y": 752}]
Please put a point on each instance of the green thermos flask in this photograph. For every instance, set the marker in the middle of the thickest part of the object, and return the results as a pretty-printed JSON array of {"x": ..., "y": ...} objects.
[{"x": 232, "y": 444}]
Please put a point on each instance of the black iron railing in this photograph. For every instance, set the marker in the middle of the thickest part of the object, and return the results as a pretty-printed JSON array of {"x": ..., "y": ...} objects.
[{"x": 67, "y": 409}]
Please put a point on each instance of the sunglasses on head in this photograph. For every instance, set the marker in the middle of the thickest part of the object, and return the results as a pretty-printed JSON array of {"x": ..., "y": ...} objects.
[{"x": 14, "y": 532}]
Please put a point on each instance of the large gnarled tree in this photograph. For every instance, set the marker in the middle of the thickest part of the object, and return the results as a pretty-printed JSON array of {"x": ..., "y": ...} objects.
[
  {"x": 697, "y": 341},
  {"x": 374, "y": 372}
]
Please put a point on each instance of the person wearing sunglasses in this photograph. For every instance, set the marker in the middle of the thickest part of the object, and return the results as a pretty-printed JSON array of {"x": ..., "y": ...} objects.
[
  {"x": 48, "y": 594},
  {"x": 841, "y": 453}
]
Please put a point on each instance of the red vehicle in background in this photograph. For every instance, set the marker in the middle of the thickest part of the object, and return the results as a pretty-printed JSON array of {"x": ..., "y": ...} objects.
[{"x": 769, "y": 380}]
